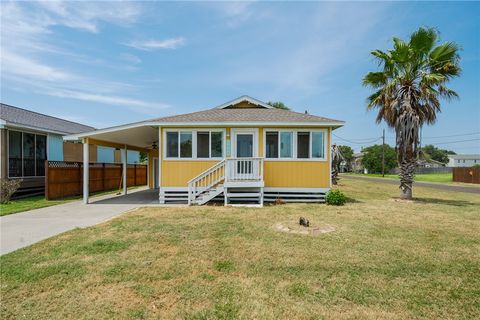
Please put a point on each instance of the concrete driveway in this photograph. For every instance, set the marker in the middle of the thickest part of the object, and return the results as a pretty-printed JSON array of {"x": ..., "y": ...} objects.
[{"x": 25, "y": 228}]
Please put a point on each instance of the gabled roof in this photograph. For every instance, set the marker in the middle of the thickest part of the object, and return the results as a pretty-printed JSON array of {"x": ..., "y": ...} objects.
[
  {"x": 21, "y": 118},
  {"x": 244, "y": 98}
]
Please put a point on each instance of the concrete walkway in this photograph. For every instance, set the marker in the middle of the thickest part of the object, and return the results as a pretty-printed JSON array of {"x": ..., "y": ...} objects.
[
  {"x": 439, "y": 186},
  {"x": 25, "y": 228}
]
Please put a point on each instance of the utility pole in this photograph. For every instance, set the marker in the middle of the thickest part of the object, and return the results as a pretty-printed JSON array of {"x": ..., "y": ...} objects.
[{"x": 383, "y": 153}]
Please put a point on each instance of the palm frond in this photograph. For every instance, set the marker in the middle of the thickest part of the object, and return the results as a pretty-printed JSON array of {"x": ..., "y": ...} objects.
[{"x": 423, "y": 40}]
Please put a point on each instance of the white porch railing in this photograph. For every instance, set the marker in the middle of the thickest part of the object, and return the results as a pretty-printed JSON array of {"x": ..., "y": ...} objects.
[
  {"x": 206, "y": 180},
  {"x": 227, "y": 170},
  {"x": 243, "y": 169}
]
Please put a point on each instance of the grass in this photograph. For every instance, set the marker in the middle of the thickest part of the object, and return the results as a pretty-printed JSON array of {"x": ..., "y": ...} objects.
[
  {"x": 387, "y": 259},
  {"x": 26, "y": 204},
  {"x": 37, "y": 202},
  {"x": 426, "y": 177}
]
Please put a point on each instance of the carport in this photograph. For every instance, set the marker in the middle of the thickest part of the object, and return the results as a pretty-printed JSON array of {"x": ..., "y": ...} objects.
[{"x": 141, "y": 136}]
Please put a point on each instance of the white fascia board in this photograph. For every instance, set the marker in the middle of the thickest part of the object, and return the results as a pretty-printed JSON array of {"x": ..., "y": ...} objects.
[
  {"x": 244, "y": 98},
  {"x": 79, "y": 136},
  {"x": 8, "y": 125}
]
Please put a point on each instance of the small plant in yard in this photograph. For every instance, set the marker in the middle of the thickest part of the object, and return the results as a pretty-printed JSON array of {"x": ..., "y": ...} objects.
[
  {"x": 335, "y": 198},
  {"x": 8, "y": 188}
]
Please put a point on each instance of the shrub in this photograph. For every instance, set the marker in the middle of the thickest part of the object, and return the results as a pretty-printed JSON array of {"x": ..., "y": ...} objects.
[
  {"x": 335, "y": 198},
  {"x": 8, "y": 188}
]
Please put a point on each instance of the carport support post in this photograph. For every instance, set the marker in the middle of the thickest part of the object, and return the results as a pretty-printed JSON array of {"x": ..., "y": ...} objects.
[
  {"x": 85, "y": 170},
  {"x": 160, "y": 193},
  {"x": 125, "y": 170}
]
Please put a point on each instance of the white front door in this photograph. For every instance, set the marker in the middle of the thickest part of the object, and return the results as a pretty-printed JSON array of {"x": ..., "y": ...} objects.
[{"x": 245, "y": 148}]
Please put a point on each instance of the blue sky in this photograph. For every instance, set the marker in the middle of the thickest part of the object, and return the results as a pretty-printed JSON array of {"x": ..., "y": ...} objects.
[{"x": 108, "y": 63}]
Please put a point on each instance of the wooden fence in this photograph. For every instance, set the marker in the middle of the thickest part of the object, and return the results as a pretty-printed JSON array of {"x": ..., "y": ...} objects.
[
  {"x": 468, "y": 175},
  {"x": 65, "y": 179}
]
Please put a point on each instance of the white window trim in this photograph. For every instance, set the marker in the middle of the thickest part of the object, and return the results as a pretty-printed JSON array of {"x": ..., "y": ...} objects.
[
  {"x": 294, "y": 149},
  {"x": 194, "y": 144},
  {"x": 235, "y": 131},
  {"x": 35, "y": 143}
]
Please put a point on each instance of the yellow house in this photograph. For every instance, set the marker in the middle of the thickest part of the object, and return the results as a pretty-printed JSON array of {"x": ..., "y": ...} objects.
[{"x": 241, "y": 152}]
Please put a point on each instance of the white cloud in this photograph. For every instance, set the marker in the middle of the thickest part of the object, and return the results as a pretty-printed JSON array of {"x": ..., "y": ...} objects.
[
  {"x": 26, "y": 43},
  {"x": 130, "y": 58},
  {"x": 133, "y": 104},
  {"x": 148, "y": 45}
]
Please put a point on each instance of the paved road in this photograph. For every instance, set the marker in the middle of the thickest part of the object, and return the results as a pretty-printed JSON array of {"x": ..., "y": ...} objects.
[
  {"x": 25, "y": 228},
  {"x": 448, "y": 187}
]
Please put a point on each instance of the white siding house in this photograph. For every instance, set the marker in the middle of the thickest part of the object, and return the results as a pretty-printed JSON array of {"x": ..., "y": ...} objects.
[{"x": 463, "y": 160}]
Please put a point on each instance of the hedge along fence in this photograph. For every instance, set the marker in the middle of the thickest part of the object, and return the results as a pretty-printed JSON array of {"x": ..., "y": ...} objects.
[
  {"x": 468, "y": 175},
  {"x": 65, "y": 179}
]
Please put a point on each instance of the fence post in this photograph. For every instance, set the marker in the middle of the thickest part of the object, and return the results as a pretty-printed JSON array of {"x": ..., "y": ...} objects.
[
  {"x": 103, "y": 176},
  {"x": 46, "y": 180},
  {"x": 135, "y": 174}
]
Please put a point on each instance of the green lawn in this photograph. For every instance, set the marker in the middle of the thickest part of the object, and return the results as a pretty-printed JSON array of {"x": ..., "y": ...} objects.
[
  {"x": 37, "y": 202},
  {"x": 26, "y": 204},
  {"x": 387, "y": 259},
  {"x": 427, "y": 177}
]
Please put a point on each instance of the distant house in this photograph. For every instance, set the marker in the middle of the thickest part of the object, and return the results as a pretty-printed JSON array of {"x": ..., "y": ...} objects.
[
  {"x": 356, "y": 163},
  {"x": 29, "y": 138},
  {"x": 463, "y": 160},
  {"x": 430, "y": 163}
]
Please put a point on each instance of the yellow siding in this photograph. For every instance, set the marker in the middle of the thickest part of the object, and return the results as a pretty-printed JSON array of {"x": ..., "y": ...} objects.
[
  {"x": 299, "y": 174},
  {"x": 178, "y": 173}
]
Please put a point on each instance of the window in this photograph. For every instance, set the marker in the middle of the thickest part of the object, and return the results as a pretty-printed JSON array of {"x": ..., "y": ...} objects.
[
  {"x": 172, "y": 144},
  {"x": 27, "y": 153},
  {"x": 40, "y": 154},
  {"x": 317, "y": 145},
  {"x": 283, "y": 144},
  {"x": 216, "y": 145},
  {"x": 286, "y": 144},
  {"x": 203, "y": 143},
  {"x": 303, "y": 145},
  {"x": 185, "y": 144},
  {"x": 194, "y": 144},
  {"x": 278, "y": 144},
  {"x": 271, "y": 143},
  {"x": 15, "y": 154}
]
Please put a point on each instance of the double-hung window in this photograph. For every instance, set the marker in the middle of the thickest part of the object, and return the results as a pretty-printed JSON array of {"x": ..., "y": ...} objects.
[
  {"x": 278, "y": 144},
  {"x": 27, "y": 153},
  {"x": 295, "y": 144},
  {"x": 201, "y": 144}
]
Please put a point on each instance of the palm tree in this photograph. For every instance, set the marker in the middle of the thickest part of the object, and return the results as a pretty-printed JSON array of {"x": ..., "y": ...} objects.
[{"x": 408, "y": 90}]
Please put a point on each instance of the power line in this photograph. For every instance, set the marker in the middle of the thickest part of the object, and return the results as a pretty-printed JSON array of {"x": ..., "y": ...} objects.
[
  {"x": 359, "y": 141},
  {"x": 453, "y": 135},
  {"x": 449, "y": 142}
]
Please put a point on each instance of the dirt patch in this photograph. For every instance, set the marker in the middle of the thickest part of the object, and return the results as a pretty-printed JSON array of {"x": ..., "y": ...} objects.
[{"x": 308, "y": 231}]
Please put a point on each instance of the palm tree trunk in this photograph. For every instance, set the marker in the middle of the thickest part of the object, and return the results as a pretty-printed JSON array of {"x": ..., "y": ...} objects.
[{"x": 407, "y": 173}]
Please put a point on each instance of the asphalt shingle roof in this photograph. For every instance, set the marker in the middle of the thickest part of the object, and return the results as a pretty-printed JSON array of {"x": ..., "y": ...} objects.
[
  {"x": 245, "y": 115},
  {"x": 19, "y": 116}
]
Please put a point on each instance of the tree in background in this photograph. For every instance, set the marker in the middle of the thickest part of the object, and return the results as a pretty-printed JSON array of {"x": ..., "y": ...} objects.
[
  {"x": 347, "y": 154},
  {"x": 434, "y": 153},
  {"x": 372, "y": 158},
  {"x": 143, "y": 157},
  {"x": 278, "y": 105},
  {"x": 413, "y": 78}
]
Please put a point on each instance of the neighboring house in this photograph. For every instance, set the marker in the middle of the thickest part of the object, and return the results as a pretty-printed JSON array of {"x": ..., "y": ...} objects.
[
  {"x": 430, "y": 163},
  {"x": 357, "y": 166},
  {"x": 241, "y": 151},
  {"x": 463, "y": 160},
  {"x": 29, "y": 138}
]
